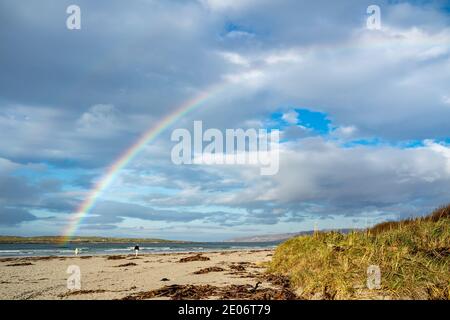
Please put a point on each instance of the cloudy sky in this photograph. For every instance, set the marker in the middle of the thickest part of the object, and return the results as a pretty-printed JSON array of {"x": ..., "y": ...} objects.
[{"x": 363, "y": 114}]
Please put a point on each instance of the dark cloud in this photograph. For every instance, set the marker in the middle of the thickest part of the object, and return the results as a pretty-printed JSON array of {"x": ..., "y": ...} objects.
[
  {"x": 16, "y": 190},
  {"x": 14, "y": 216}
]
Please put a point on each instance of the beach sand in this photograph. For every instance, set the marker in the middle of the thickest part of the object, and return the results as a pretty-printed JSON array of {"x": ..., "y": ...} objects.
[{"x": 232, "y": 275}]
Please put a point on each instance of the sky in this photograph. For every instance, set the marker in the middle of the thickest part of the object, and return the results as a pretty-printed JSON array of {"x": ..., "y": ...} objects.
[{"x": 363, "y": 114}]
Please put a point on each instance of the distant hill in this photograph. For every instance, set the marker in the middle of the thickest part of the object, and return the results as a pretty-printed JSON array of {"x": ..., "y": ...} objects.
[
  {"x": 59, "y": 239},
  {"x": 281, "y": 236}
]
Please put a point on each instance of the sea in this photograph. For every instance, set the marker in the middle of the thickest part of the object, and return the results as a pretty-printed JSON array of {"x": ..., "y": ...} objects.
[{"x": 37, "y": 250}]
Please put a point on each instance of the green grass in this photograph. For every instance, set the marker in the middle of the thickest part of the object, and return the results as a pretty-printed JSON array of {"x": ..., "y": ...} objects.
[{"x": 413, "y": 256}]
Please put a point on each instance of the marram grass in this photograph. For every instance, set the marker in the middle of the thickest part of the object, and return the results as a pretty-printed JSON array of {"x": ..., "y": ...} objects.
[{"x": 413, "y": 256}]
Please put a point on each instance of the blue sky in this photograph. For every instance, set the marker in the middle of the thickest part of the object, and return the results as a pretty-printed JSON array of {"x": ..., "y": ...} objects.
[{"x": 363, "y": 114}]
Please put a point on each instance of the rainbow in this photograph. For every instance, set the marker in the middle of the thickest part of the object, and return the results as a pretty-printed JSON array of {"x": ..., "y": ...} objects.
[
  {"x": 115, "y": 168},
  {"x": 148, "y": 136}
]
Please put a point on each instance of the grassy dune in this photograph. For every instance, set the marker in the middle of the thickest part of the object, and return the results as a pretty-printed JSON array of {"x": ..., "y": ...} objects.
[{"x": 413, "y": 256}]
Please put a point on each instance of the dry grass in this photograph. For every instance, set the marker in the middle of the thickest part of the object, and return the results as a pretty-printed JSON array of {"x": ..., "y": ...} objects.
[
  {"x": 413, "y": 255},
  {"x": 436, "y": 215}
]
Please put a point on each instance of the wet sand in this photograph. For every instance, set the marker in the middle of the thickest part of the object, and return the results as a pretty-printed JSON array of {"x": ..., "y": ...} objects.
[{"x": 211, "y": 275}]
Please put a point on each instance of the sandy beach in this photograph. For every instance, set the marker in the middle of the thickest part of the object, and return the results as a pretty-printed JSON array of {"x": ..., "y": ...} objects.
[{"x": 209, "y": 275}]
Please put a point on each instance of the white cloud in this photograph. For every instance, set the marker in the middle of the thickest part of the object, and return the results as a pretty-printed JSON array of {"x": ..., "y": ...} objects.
[
  {"x": 345, "y": 131},
  {"x": 291, "y": 117},
  {"x": 98, "y": 115},
  {"x": 102, "y": 121},
  {"x": 235, "y": 58},
  {"x": 239, "y": 34},
  {"x": 434, "y": 52},
  {"x": 283, "y": 57},
  {"x": 440, "y": 149},
  {"x": 446, "y": 100},
  {"x": 7, "y": 165},
  {"x": 248, "y": 78},
  {"x": 221, "y": 5}
]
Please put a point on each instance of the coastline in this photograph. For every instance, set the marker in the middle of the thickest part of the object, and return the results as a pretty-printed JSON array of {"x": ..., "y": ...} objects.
[{"x": 232, "y": 274}]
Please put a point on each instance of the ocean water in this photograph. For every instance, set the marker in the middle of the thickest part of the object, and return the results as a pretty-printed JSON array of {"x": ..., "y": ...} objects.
[{"x": 30, "y": 250}]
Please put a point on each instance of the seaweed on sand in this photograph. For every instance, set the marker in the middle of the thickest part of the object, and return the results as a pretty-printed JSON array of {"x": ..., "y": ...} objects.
[
  {"x": 208, "y": 270},
  {"x": 197, "y": 257},
  {"x": 131, "y": 264},
  {"x": 197, "y": 292}
]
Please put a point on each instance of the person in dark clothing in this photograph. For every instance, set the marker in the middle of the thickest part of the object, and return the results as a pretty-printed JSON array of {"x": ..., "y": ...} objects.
[{"x": 136, "y": 250}]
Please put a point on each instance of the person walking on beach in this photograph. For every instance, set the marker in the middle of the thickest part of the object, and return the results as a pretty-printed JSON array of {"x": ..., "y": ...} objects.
[
  {"x": 136, "y": 250},
  {"x": 76, "y": 251}
]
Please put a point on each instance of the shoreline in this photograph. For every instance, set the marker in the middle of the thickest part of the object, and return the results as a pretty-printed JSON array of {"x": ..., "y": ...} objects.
[{"x": 131, "y": 253}]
